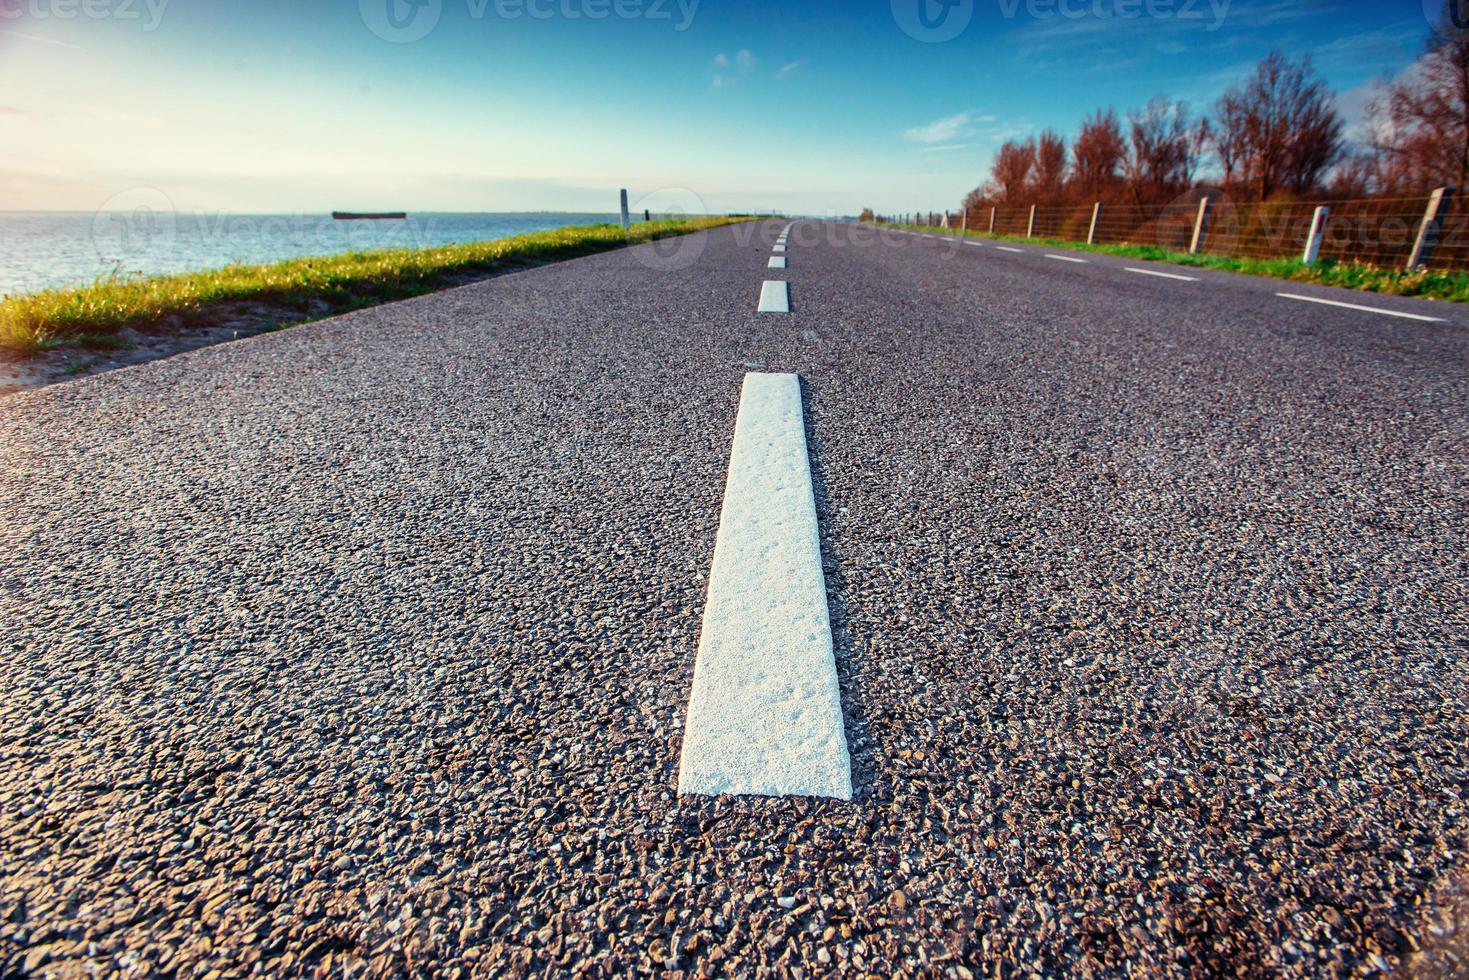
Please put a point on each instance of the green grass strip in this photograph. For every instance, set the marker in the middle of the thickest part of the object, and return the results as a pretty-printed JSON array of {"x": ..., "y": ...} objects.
[
  {"x": 294, "y": 290},
  {"x": 1451, "y": 287}
]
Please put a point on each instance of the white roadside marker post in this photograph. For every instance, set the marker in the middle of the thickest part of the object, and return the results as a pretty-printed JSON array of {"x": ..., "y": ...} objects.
[
  {"x": 625, "y": 222},
  {"x": 1030, "y": 228},
  {"x": 1091, "y": 235},
  {"x": 1314, "y": 238}
]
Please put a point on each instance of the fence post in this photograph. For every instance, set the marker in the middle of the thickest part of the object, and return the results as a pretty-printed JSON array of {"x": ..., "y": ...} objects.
[
  {"x": 624, "y": 209},
  {"x": 965, "y": 226},
  {"x": 1313, "y": 240},
  {"x": 992, "y": 219},
  {"x": 1199, "y": 226},
  {"x": 1030, "y": 228},
  {"x": 1091, "y": 235},
  {"x": 1428, "y": 231}
]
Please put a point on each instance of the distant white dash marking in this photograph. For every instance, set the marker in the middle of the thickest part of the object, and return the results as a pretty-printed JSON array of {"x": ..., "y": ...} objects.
[
  {"x": 975, "y": 244},
  {"x": 1162, "y": 275},
  {"x": 777, "y": 262},
  {"x": 1066, "y": 258},
  {"x": 1006, "y": 248},
  {"x": 779, "y": 247},
  {"x": 1364, "y": 309},
  {"x": 765, "y": 713},
  {"x": 775, "y": 297}
]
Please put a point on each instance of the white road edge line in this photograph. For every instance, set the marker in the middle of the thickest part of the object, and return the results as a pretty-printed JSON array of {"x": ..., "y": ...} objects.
[
  {"x": 1161, "y": 275},
  {"x": 775, "y": 297},
  {"x": 1067, "y": 258},
  {"x": 776, "y": 262},
  {"x": 1364, "y": 309},
  {"x": 765, "y": 711},
  {"x": 1005, "y": 248}
]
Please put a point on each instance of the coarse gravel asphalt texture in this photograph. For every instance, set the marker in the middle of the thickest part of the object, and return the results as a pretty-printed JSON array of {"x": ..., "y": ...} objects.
[{"x": 363, "y": 648}]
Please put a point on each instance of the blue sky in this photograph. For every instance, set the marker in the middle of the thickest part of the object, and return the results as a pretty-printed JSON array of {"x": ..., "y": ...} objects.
[{"x": 818, "y": 107}]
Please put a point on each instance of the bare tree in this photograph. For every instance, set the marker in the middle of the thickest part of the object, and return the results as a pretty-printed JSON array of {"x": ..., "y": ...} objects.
[
  {"x": 1164, "y": 150},
  {"x": 1230, "y": 136},
  {"x": 1280, "y": 128},
  {"x": 1013, "y": 166},
  {"x": 1098, "y": 155},
  {"x": 1050, "y": 166},
  {"x": 1422, "y": 122}
]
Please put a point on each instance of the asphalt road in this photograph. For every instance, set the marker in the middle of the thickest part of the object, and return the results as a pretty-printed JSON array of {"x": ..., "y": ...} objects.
[{"x": 365, "y": 646}]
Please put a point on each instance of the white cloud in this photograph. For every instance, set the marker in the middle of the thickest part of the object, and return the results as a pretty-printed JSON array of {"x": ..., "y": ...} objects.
[
  {"x": 743, "y": 62},
  {"x": 787, "y": 70},
  {"x": 939, "y": 131}
]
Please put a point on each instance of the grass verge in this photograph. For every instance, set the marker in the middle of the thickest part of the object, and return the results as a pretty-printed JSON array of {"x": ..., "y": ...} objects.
[
  {"x": 1451, "y": 287},
  {"x": 306, "y": 288}
]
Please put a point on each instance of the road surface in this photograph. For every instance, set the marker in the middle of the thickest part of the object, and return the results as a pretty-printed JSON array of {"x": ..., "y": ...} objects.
[{"x": 366, "y": 646}]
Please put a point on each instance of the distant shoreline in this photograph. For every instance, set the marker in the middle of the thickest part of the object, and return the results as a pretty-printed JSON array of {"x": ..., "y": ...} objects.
[
  {"x": 49, "y": 336},
  {"x": 65, "y": 250}
]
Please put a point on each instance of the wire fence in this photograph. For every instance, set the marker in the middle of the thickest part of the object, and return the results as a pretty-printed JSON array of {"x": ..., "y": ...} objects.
[{"x": 1431, "y": 231}]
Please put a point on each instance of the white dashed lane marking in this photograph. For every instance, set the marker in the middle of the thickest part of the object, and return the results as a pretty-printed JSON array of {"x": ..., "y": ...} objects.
[
  {"x": 1005, "y": 248},
  {"x": 1066, "y": 258},
  {"x": 1364, "y": 309},
  {"x": 777, "y": 262},
  {"x": 1161, "y": 275},
  {"x": 765, "y": 712},
  {"x": 775, "y": 297}
]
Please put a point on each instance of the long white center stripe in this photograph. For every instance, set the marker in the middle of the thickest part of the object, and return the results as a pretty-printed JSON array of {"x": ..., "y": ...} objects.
[
  {"x": 775, "y": 297},
  {"x": 765, "y": 713}
]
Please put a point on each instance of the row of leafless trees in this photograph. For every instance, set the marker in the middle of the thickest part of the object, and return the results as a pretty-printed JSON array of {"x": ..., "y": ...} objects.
[{"x": 1277, "y": 133}]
